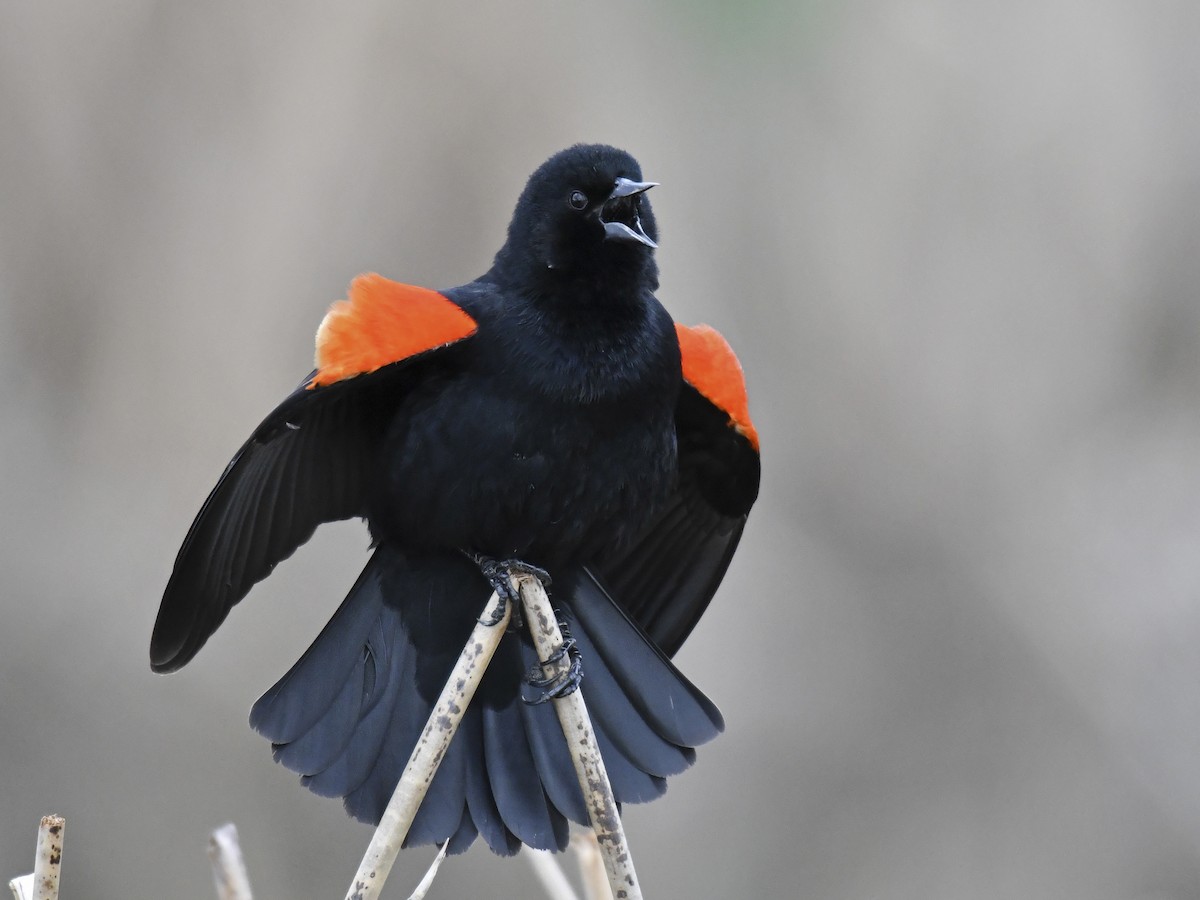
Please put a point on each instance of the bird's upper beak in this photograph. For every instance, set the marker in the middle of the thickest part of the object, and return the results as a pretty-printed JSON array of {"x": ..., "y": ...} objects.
[{"x": 620, "y": 212}]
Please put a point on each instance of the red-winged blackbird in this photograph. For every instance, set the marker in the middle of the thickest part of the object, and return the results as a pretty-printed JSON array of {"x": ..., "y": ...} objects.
[{"x": 549, "y": 414}]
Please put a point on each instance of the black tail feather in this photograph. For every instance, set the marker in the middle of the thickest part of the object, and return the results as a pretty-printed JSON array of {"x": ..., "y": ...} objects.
[
  {"x": 480, "y": 803},
  {"x": 629, "y": 783},
  {"x": 633, "y": 737},
  {"x": 553, "y": 760},
  {"x": 326, "y": 740},
  {"x": 513, "y": 775},
  {"x": 349, "y": 712},
  {"x": 305, "y": 694},
  {"x": 664, "y": 698}
]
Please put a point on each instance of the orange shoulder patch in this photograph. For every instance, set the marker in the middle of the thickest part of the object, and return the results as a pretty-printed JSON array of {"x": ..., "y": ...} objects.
[
  {"x": 710, "y": 366},
  {"x": 383, "y": 321}
]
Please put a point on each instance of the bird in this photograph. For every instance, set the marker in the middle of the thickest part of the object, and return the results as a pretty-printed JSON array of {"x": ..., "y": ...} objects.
[{"x": 549, "y": 417}]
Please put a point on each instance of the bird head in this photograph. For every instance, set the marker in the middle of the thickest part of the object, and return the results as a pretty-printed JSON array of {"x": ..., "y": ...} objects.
[{"x": 583, "y": 218}]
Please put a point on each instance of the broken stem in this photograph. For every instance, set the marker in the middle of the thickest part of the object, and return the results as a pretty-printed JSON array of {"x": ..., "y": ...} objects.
[
  {"x": 49, "y": 858},
  {"x": 230, "y": 878},
  {"x": 427, "y": 882}
]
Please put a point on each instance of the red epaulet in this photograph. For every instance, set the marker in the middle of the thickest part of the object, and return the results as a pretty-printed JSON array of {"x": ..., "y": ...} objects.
[
  {"x": 381, "y": 322},
  {"x": 710, "y": 366}
]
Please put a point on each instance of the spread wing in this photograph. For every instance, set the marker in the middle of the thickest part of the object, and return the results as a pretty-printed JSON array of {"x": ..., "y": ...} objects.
[
  {"x": 667, "y": 577},
  {"x": 311, "y": 459}
]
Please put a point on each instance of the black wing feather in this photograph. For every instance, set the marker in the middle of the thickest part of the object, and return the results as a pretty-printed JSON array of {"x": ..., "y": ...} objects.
[
  {"x": 667, "y": 576},
  {"x": 310, "y": 461}
]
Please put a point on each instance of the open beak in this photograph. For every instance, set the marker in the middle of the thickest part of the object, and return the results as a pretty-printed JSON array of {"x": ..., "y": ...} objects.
[{"x": 620, "y": 212}]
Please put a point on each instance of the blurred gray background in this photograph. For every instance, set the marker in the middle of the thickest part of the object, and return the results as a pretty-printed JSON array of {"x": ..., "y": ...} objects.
[{"x": 957, "y": 248}]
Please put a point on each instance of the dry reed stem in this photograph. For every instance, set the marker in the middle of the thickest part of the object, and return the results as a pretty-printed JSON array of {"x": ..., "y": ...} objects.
[
  {"x": 591, "y": 866},
  {"x": 550, "y": 874},
  {"x": 581, "y": 740},
  {"x": 43, "y": 883},
  {"x": 48, "y": 864},
  {"x": 427, "y": 882},
  {"x": 428, "y": 753},
  {"x": 230, "y": 878}
]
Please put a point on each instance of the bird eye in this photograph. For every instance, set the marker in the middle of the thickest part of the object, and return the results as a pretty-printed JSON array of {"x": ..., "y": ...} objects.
[{"x": 578, "y": 200}]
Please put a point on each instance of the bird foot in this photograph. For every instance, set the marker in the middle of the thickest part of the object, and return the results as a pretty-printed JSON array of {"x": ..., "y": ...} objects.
[
  {"x": 499, "y": 575},
  {"x": 564, "y": 682}
]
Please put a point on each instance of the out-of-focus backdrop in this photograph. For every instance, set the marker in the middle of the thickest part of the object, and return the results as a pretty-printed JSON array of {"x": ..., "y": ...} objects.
[{"x": 958, "y": 250}]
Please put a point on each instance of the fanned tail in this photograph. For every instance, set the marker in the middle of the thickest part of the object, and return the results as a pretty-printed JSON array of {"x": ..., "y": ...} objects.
[{"x": 348, "y": 713}]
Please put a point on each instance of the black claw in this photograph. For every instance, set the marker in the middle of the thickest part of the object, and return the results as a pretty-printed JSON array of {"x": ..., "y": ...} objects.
[
  {"x": 560, "y": 685},
  {"x": 499, "y": 575},
  {"x": 498, "y": 616},
  {"x": 535, "y": 676},
  {"x": 516, "y": 566},
  {"x": 563, "y": 683}
]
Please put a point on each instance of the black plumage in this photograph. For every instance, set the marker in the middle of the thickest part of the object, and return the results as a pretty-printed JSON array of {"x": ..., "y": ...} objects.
[{"x": 557, "y": 430}]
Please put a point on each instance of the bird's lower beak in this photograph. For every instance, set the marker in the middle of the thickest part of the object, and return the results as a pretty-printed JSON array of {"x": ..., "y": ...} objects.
[{"x": 620, "y": 212}]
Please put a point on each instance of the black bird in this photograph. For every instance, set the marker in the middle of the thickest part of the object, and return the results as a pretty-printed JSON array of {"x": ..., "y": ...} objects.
[{"x": 549, "y": 414}]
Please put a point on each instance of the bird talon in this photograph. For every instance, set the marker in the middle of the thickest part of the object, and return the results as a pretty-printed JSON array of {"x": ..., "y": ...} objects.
[
  {"x": 567, "y": 647},
  {"x": 499, "y": 575},
  {"x": 517, "y": 567},
  {"x": 562, "y": 683},
  {"x": 498, "y": 616}
]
